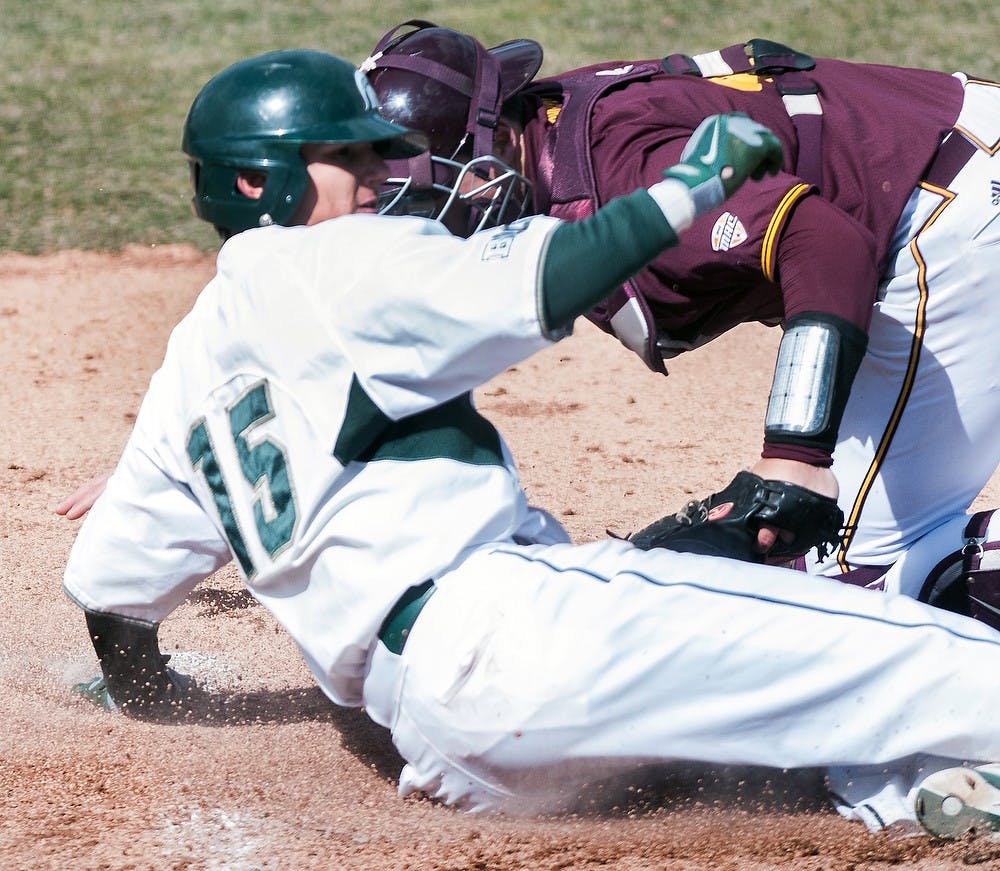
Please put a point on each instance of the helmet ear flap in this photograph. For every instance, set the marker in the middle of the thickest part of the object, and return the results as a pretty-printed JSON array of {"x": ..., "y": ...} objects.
[
  {"x": 284, "y": 189},
  {"x": 218, "y": 200}
]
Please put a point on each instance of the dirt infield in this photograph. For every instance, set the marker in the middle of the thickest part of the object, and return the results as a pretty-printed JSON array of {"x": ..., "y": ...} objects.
[{"x": 272, "y": 775}]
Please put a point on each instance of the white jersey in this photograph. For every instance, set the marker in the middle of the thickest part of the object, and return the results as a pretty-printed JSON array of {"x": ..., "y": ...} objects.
[{"x": 312, "y": 354}]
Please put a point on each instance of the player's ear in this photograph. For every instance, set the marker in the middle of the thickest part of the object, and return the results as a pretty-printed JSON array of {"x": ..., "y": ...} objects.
[
  {"x": 507, "y": 142},
  {"x": 250, "y": 183}
]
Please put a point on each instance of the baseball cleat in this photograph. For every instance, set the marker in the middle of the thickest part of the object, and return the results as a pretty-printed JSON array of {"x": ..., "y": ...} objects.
[{"x": 957, "y": 801}]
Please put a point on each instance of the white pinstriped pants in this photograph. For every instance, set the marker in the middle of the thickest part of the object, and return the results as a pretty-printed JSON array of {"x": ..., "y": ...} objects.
[
  {"x": 536, "y": 671},
  {"x": 921, "y": 432}
]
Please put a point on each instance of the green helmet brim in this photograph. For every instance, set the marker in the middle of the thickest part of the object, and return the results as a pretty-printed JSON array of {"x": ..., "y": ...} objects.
[{"x": 392, "y": 141}]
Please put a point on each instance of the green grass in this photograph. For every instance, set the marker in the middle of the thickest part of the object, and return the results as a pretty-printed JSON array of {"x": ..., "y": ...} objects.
[{"x": 93, "y": 94}]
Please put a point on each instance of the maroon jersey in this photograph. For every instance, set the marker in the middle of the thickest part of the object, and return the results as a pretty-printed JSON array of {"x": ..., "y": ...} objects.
[{"x": 779, "y": 246}]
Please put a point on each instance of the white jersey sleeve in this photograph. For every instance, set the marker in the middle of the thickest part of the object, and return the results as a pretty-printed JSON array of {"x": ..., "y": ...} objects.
[
  {"x": 144, "y": 545},
  {"x": 423, "y": 323},
  {"x": 370, "y": 326}
]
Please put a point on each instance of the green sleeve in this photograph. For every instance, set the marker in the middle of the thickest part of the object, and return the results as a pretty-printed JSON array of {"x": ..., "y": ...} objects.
[{"x": 586, "y": 261}]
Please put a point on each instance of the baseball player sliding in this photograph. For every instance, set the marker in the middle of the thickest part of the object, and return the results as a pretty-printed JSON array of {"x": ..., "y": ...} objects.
[{"x": 312, "y": 420}]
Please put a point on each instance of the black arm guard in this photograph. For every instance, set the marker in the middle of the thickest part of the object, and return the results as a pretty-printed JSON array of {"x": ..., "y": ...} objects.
[
  {"x": 135, "y": 671},
  {"x": 818, "y": 359},
  {"x": 726, "y": 523}
]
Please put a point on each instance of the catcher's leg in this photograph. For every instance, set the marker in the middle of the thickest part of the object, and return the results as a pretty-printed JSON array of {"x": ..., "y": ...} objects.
[
  {"x": 918, "y": 439},
  {"x": 967, "y": 580},
  {"x": 955, "y": 566}
]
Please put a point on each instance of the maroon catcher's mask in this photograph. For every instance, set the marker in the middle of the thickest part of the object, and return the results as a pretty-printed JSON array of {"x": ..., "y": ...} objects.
[{"x": 449, "y": 87}]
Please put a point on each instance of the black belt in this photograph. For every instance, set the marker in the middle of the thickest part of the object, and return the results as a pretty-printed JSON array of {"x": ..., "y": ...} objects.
[
  {"x": 395, "y": 629},
  {"x": 949, "y": 160}
]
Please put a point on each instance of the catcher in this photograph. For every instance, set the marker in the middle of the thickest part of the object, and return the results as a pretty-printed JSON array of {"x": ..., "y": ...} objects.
[{"x": 875, "y": 249}]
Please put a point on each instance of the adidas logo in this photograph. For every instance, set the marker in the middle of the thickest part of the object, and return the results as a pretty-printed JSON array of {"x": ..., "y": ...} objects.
[{"x": 995, "y": 187}]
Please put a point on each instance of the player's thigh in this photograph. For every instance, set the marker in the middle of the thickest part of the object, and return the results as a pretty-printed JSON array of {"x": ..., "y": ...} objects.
[
  {"x": 515, "y": 641},
  {"x": 524, "y": 654},
  {"x": 918, "y": 439}
]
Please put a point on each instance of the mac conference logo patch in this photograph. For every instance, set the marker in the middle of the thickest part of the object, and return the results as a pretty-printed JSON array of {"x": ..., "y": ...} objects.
[{"x": 728, "y": 232}]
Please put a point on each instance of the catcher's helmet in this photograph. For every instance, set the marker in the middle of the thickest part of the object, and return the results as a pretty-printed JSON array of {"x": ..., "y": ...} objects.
[
  {"x": 256, "y": 115},
  {"x": 449, "y": 87}
]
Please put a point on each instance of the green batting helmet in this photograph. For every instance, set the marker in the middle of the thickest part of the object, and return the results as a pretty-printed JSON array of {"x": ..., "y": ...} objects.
[{"x": 256, "y": 115}]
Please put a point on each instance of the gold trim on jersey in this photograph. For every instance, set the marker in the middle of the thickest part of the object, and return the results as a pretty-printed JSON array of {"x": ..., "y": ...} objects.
[
  {"x": 739, "y": 82},
  {"x": 769, "y": 247},
  {"x": 975, "y": 140},
  {"x": 916, "y": 346},
  {"x": 983, "y": 119}
]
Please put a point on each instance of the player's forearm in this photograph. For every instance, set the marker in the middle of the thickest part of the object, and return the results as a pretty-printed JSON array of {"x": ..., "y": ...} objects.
[
  {"x": 818, "y": 359},
  {"x": 588, "y": 260},
  {"x": 828, "y": 277},
  {"x": 134, "y": 670}
]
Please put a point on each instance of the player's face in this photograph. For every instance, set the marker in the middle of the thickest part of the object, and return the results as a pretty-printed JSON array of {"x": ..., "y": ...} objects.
[{"x": 343, "y": 179}]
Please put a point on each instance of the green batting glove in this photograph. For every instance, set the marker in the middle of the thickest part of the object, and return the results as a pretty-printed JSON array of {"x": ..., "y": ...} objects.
[
  {"x": 96, "y": 692},
  {"x": 723, "y": 153}
]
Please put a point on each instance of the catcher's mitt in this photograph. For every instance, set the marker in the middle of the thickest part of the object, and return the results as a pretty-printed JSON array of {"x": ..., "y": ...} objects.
[{"x": 726, "y": 523}]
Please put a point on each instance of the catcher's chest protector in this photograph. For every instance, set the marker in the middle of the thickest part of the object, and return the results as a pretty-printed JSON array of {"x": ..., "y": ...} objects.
[
  {"x": 565, "y": 179},
  {"x": 565, "y": 182}
]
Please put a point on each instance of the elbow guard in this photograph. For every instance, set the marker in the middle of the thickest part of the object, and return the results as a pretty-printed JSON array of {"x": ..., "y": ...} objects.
[{"x": 818, "y": 358}]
